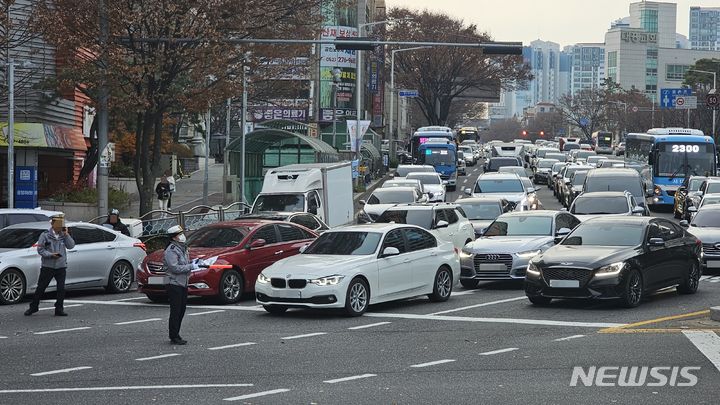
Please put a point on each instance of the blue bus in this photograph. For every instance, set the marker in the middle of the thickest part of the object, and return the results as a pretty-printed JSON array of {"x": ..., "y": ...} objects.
[
  {"x": 424, "y": 134},
  {"x": 672, "y": 154},
  {"x": 442, "y": 155}
]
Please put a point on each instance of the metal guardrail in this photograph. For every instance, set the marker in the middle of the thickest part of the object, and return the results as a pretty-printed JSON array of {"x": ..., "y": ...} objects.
[{"x": 157, "y": 222}]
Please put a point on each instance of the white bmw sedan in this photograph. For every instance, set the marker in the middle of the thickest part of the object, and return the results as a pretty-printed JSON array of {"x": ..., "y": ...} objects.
[
  {"x": 356, "y": 266},
  {"x": 100, "y": 258}
]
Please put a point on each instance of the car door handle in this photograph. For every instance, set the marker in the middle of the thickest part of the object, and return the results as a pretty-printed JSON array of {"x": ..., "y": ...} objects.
[
  {"x": 279, "y": 252},
  {"x": 406, "y": 261},
  {"x": 433, "y": 254},
  {"x": 110, "y": 247},
  {"x": 72, "y": 251}
]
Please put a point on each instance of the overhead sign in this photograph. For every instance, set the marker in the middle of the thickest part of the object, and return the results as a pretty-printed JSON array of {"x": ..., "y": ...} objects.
[
  {"x": 686, "y": 102},
  {"x": 408, "y": 93},
  {"x": 668, "y": 96}
]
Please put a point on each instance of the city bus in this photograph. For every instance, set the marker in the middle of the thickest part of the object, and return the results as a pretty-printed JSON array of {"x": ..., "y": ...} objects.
[
  {"x": 672, "y": 154},
  {"x": 441, "y": 154},
  {"x": 468, "y": 134},
  {"x": 423, "y": 134},
  {"x": 602, "y": 142}
]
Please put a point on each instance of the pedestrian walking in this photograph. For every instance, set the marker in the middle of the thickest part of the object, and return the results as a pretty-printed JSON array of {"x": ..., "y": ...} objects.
[
  {"x": 113, "y": 222},
  {"x": 177, "y": 272},
  {"x": 52, "y": 248},
  {"x": 163, "y": 192},
  {"x": 171, "y": 181}
]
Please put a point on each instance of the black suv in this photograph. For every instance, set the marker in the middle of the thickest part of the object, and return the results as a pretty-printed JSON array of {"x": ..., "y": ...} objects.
[{"x": 618, "y": 179}]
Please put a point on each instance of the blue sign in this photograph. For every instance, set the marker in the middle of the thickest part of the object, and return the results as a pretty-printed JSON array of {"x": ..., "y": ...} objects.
[
  {"x": 408, "y": 93},
  {"x": 668, "y": 96},
  {"x": 26, "y": 189},
  {"x": 584, "y": 122},
  {"x": 354, "y": 166}
]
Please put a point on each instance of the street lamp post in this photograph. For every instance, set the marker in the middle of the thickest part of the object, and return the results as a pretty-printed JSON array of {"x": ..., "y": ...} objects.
[
  {"x": 391, "y": 117},
  {"x": 714, "y": 89},
  {"x": 337, "y": 72},
  {"x": 243, "y": 123},
  {"x": 207, "y": 157},
  {"x": 11, "y": 134}
]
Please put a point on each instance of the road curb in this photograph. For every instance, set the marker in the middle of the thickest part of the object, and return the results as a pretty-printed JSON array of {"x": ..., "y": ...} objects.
[{"x": 715, "y": 313}]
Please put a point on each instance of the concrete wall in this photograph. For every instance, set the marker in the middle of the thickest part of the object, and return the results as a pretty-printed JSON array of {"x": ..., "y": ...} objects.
[{"x": 73, "y": 211}]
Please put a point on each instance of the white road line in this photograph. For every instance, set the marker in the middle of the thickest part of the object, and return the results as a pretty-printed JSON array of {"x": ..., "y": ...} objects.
[
  {"x": 466, "y": 292},
  {"x": 64, "y": 370},
  {"x": 138, "y": 321},
  {"x": 708, "y": 343},
  {"x": 569, "y": 338},
  {"x": 369, "y": 325},
  {"x": 714, "y": 280},
  {"x": 217, "y": 311},
  {"x": 162, "y": 356},
  {"x": 3, "y": 337},
  {"x": 495, "y": 320},
  {"x": 509, "y": 349},
  {"x": 231, "y": 346},
  {"x": 65, "y": 306},
  {"x": 705, "y": 277},
  {"x": 122, "y": 388},
  {"x": 257, "y": 394},
  {"x": 49, "y": 332},
  {"x": 432, "y": 363},
  {"x": 304, "y": 336},
  {"x": 257, "y": 308},
  {"x": 131, "y": 299},
  {"x": 484, "y": 304},
  {"x": 354, "y": 377}
]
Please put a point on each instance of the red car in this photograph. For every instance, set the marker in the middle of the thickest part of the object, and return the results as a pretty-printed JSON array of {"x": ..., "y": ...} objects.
[{"x": 248, "y": 245}]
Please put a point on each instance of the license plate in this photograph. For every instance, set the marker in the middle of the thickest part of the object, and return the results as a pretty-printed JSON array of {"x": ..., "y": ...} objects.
[
  {"x": 565, "y": 283},
  {"x": 713, "y": 264},
  {"x": 491, "y": 267},
  {"x": 156, "y": 280},
  {"x": 286, "y": 293}
]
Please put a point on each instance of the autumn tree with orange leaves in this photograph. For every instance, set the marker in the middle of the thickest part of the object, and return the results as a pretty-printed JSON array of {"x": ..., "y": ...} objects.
[{"x": 149, "y": 78}]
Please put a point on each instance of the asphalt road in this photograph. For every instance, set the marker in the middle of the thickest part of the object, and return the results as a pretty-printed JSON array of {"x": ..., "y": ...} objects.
[{"x": 487, "y": 345}]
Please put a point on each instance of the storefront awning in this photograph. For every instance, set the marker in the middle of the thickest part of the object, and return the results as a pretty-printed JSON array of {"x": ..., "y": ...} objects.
[{"x": 36, "y": 135}]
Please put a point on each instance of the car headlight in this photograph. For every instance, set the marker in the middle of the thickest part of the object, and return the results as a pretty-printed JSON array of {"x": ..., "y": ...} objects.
[
  {"x": 657, "y": 190},
  {"x": 263, "y": 279},
  {"x": 325, "y": 281},
  {"x": 439, "y": 193},
  {"x": 465, "y": 254},
  {"x": 610, "y": 270},
  {"x": 533, "y": 269},
  {"x": 528, "y": 253}
]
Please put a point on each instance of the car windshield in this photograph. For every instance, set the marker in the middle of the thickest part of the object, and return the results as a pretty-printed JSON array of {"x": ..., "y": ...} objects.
[
  {"x": 391, "y": 196},
  {"x": 623, "y": 183},
  {"x": 279, "y": 203},
  {"x": 438, "y": 157},
  {"x": 604, "y": 233},
  {"x": 421, "y": 218},
  {"x": 403, "y": 171},
  {"x": 425, "y": 178},
  {"x": 710, "y": 200},
  {"x": 499, "y": 186},
  {"x": 712, "y": 188},
  {"x": 345, "y": 244},
  {"x": 558, "y": 166},
  {"x": 496, "y": 163},
  {"x": 401, "y": 184},
  {"x": 579, "y": 178},
  {"x": 583, "y": 154},
  {"x": 477, "y": 211},
  {"x": 599, "y": 205},
  {"x": 520, "y": 226},
  {"x": 674, "y": 160},
  {"x": 595, "y": 159},
  {"x": 19, "y": 238},
  {"x": 217, "y": 237},
  {"x": 695, "y": 184},
  {"x": 520, "y": 171},
  {"x": 546, "y": 164},
  {"x": 707, "y": 219},
  {"x": 571, "y": 146}
]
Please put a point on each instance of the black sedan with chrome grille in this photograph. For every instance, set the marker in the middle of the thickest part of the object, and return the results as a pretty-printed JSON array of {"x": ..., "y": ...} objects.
[{"x": 604, "y": 258}]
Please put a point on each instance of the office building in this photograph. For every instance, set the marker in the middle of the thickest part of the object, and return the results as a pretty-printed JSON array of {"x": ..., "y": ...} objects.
[{"x": 705, "y": 28}]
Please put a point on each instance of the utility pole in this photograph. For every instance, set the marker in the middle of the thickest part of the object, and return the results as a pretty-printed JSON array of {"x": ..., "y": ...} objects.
[
  {"x": 11, "y": 134},
  {"x": 102, "y": 117},
  {"x": 207, "y": 157},
  {"x": 226, "y": 166},
  {"x": 243, "y": 123}
]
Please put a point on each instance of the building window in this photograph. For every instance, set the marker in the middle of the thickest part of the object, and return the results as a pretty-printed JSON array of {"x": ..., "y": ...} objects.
[
  {"x": 649, "y": 20},
  {"x": 612, "y": 59},
  {"x": 676, "y": 72}
]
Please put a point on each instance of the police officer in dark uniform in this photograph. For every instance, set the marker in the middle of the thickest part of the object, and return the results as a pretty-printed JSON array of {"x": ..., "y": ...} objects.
[{"x": 177, "y": 272}]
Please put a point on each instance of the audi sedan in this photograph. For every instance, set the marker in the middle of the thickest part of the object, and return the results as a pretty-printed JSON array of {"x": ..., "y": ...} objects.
[
  {"x": 357, "y": 266},
  {"x": 604, "y": 258},
  {"x": 504, "y": 249},
  {"x": 100, "y": 258},
  {"x": 248, "y": 246}
]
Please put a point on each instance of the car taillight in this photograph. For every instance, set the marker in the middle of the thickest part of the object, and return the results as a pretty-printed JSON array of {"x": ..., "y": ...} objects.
[{"x": 140, "y": 245}]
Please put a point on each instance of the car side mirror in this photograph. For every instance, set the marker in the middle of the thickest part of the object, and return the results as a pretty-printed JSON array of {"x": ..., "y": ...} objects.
[
  {"x": 258, "y": 243},
  {"x": 638, "y": 210},
  {"x": 313, "y": 210},
  {"x": 303, "y": 248},
  {"x": 532, "y": 190},
  {"x": 362, "y": 202},
  {"x": 442, "y": 224},
  {"x": 563, "y": 232},
  {"x": 467, "y": 191},
  {"x": 445, "y": 182},
  {"x": 656, "y": 242},
  {"x": 431, "y": 195},
  {"x": 563, "y": 209},
  {"x": 537, "y": 188},
  {"x": 685, "y": 224},
  {"x": 390, "y": 251},
  {"x": 692, "y": 209}
]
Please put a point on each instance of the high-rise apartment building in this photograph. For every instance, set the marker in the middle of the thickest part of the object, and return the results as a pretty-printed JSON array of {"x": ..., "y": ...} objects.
[
  {"x": 705, "y": 28},
  {"x": 587, "y": 66}
]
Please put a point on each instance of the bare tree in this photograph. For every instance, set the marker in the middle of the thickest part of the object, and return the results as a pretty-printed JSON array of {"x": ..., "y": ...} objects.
[{"x": 585, "y": 110}]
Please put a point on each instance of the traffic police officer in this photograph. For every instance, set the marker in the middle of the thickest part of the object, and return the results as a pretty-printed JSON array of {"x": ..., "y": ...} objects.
[{"x": 177, "y": 272}]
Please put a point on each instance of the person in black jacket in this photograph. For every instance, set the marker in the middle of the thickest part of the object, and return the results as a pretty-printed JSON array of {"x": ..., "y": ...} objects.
[
  {"x": 113, "y": 222},
  {"x": 163, "y": 192}
]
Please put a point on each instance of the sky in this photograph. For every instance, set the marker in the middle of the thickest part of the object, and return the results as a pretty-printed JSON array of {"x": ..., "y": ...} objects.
[{"x": 563, "y": 21}]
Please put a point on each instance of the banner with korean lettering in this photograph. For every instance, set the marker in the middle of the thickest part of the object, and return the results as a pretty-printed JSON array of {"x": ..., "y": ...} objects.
[
  {"x": 267, "y": 113},
  {"x": 352, "y": 128}
]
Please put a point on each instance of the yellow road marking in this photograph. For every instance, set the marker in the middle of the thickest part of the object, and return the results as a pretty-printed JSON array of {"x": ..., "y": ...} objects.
[{"x": 629, "y": 328}]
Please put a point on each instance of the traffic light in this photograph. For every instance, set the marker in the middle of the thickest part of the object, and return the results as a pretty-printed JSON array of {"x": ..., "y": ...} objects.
[
  {"x": 524, "y": 133},
  {"x": 542, "y": 133}
]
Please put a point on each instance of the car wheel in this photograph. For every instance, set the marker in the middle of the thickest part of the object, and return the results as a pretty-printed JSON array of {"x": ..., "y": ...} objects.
[
  {"x": 357, "y": 298},
  {"x": 275, "y": 309},
  {"x": 120, "y": 278},
  {"x": 632, "y": 292},
  {"x": 12, "y": 286},
  {"x": 230, "y": 288},
  {"x": 692, "y": 281},
  {"x": 157, "y": 298},
  {"x": 469, "y": 283},
  {"x": 442, "y": 287},
  {"x": 539, "y": 300}
]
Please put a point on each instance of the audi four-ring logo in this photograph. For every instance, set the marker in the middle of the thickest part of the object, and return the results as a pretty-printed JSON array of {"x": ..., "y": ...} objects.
[
  {"x": 717, "y": 246},
  {"x": 492, "y": 257}
]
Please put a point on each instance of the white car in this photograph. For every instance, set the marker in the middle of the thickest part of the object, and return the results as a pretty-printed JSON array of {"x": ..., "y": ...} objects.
[
  {"x": 402, "y": 182},
  {"x": 403, "y": 170},
  {"x": 594, "y": 160},
  {"x": 100, "y": 258},
  {"x": 445, "y": 221},
  {"x": 384, "y": 198},
  {"x": 503, "y": 185},
  {"x": 433, "y": 185},
  {"x": 12, "y": 216},
  {"x": 356, "y": 266}
]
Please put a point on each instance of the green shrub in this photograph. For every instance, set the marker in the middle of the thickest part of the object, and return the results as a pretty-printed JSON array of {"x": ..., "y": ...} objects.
[
  {"x": 75, "y": 193},
  {"x": 121, "y": 170}
]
